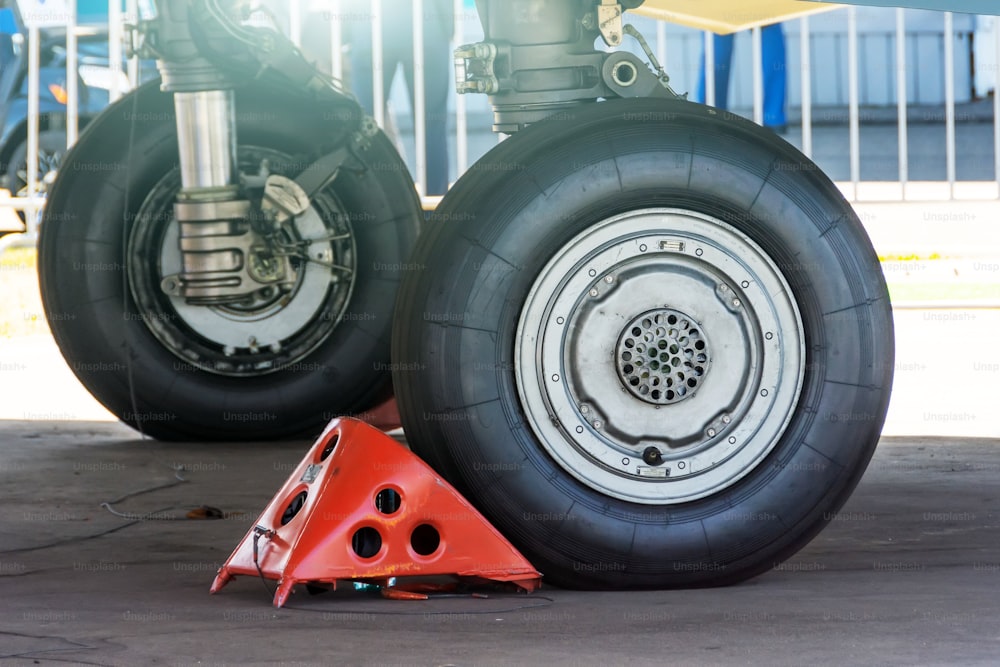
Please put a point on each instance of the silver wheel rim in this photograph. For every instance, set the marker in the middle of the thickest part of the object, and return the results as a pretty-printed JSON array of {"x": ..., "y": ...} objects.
[
  {"x": 263, "y": 336},
  {"x": 659, "y": 356}
]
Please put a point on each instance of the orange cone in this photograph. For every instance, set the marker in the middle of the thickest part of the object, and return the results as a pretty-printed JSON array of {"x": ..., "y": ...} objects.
[{"x": 362, "y": 507}]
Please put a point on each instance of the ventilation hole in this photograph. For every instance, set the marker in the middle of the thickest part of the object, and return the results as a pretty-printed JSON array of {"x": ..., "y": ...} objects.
[
  {"x": 672, "y": 333},
  {"x": 656, "y": 382},
  {"x": 701, "y": 358},
  {"x": 293, "y": 507},
  {"x": 366, "y": 542},
  {"x": 664, "y": 357},
  {"x": 655, "y": 365},
  {"x": 672, "y": 319},
  {"x": 670, "y": 383},
  {"x": 671, "y": 395},
  {"x": 636, "y": 331},
  {"x": 681, "y": 390},
  {"x": 674, "y": 349},
  {"x": 662, "y": 345},
  {"x": 626, "y": 356},
  {"x": 644, "y": 389},
  {"x": 699, "y": 345},
  {"x": 647, "y": 337},
  {"x": 675, "y": 362},
  {"x": 647, "y": 323},
  {"x": 387, "y": 501},
  {"x": 655, "y": 394},
  {"x": 661, "y": 332},
  {"x": 692, "y": 383},
  {"x": 330, "y": 446},
  {"x": 652, "y": 353},
  {"x": 634, "y": 381},
  {"x": 425, "y": 539},
  {"x": 699, "y": 370},
  {"x": 628, "y": 369},
  {"x": 694, "y": 332},
  {"x": 680, "y": 376},
  {"x": 629, "y": 343}
]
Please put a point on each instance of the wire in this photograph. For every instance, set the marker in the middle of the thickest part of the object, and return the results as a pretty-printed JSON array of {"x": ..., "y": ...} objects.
[
  {"x": 73, "y": 540},
  {"x": 77, "y": 646},
  {"x": 177, "y": 474},
  {"x": 258, "y": 532},
  {"x": 133, "y": 518}
]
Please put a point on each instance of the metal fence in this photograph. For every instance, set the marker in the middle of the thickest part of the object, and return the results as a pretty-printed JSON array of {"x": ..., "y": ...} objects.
[{"x": 469, "y": 125}]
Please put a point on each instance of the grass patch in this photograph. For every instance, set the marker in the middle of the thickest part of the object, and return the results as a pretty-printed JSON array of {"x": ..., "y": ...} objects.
[
  {"x": 20, "y": 304},
  {"x": 19, "y": 258}
]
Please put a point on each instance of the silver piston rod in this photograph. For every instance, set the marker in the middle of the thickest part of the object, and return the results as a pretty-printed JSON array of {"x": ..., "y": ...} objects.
[
  {"x": 206, "y": 140},
  {"x": 223, "y": 261}
]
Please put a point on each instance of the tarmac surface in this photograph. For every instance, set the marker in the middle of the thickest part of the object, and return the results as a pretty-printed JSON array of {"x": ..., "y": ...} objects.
[{"x": 907, "y": 573}]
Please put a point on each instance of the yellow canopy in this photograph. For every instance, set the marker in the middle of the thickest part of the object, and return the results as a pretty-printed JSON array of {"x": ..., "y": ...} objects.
[{"x": 726, "y": 16}]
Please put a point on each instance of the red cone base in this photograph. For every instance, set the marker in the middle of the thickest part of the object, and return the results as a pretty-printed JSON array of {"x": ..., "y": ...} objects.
[{"x": 362, "y": 507}]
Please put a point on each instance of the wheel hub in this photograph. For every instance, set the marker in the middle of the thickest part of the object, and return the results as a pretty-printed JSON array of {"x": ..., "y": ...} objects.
[
  {"x": 659, "y": 356},
  {"x": 271, "y": 329},
  {"x": 662, "y": 356}
]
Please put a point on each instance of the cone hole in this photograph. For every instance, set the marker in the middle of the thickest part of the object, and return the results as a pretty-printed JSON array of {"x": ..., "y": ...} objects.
[
  {"x": 366, "y": 542},
  {"x": 387, "y": 501},
  {"x": 330, "y": 446},
  {"x": 425, "y": 539},
  {"x": 293, "y": 507}
]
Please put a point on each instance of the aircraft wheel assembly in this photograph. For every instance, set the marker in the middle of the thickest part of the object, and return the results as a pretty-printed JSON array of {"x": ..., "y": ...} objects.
[{"x": 651, "y": 342}]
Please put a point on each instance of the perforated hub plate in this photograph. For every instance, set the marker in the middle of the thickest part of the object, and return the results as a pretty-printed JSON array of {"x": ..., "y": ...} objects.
[{"x": 662, "y": 356}]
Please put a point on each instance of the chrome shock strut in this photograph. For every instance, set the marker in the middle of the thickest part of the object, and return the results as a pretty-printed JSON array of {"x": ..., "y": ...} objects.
[{"x": 223, "y": 258}]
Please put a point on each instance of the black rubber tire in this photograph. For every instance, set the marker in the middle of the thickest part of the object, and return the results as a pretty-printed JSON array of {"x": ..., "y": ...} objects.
[
  {"x": 93, "y": 315},
  {"x": 456, "y": 319},
  {"x": 52, "y": 142}
]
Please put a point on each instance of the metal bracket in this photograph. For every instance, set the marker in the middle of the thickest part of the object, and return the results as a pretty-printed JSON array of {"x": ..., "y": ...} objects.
[
  {"x": 657, "y": 66},
  {"x": 609, "y": 22},
  {"x": 474, "y": 69},
  {"x": 283, "y": 199},
  {"x": 317, "y": 176}
]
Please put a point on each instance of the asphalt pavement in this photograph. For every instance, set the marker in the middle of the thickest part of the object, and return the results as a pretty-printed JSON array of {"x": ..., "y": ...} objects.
[{"x": 906, "y": 574}]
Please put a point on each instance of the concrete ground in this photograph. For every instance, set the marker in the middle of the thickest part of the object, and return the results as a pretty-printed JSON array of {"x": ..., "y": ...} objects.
[{"x": 906, "y": 574}]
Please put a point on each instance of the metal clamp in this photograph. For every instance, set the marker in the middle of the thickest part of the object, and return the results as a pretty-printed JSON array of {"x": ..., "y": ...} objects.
[{"x": 474, "y": 69}]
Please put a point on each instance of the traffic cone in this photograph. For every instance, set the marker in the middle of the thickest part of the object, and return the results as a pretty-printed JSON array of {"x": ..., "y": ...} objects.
[{"x": 362, "y": 507}]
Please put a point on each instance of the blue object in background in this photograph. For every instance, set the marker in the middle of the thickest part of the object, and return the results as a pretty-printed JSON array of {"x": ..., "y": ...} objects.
[
  {"x": 775, "y": 79},
  {"x": 93, "y": 11},
  {"x": 8, "y": 22}
]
